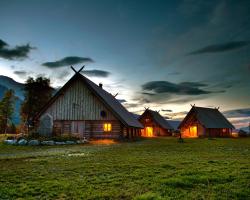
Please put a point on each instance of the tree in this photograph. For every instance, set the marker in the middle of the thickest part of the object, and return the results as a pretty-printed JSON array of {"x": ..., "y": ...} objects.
[
  {"x": 6, "y": 110},
  {"x": 37, "y": 92}
]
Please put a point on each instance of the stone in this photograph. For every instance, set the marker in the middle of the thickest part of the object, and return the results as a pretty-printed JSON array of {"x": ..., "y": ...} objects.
[
  {"x": 85, "y": 140},
  {"x": 11, "y": 142},
  {"x": 70, "y": 142},
  {"x": 48, "y": 142},
  {"x": 33, "y": 142},
  {"x": 22, "y": 142},
  {"x": 60, "y": 143}
]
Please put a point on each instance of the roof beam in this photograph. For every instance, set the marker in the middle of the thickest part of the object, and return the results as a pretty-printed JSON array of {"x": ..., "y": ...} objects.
[{"x": 76, "y": 70}]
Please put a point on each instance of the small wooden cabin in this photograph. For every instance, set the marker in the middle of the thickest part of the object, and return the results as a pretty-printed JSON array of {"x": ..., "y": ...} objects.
[
  {"x": 154, "y": 124},
  {"x": 85, "y": 109},
  {"x": 205, "y": 122}
]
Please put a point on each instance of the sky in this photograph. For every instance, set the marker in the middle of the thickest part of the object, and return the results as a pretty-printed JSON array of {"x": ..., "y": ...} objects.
[{"x": 165, "y": 55}]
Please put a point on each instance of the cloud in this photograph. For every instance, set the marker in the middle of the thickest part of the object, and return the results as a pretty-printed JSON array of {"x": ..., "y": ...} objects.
[
  {"x": 244, "y": 112},
  {"x": 148, "y": 93},
  {"x": 70, "y": 60},
  {"x": 96, "y": 73},
  {"x": 122, "y": 100},
  {"x": 184, "y": 88},
  {"x": 215, "y": 48},
  {"x": 18, "y": 52},
  {"x": 20, "y": 73},
  {"x": 63, "y": 74},
  {"x": 166, "y": 110},
  {"x": 174, "y": 73},
  {"x": 2, "y": 44},
  {"x": 192, "y": 84}
]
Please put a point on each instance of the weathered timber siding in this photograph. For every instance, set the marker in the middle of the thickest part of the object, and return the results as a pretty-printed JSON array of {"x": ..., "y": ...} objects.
[
  {"x": 148, "y": 121},
  {"x": 78, "y": 103},
  {"x": 92, "y": 129}
]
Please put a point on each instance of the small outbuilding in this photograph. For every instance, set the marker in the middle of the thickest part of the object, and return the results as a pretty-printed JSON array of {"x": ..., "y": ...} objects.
[
  {"x": 85, "y": 109},
  {"x": 205, "y": 122},
  {"x": 154, "y": 124}
]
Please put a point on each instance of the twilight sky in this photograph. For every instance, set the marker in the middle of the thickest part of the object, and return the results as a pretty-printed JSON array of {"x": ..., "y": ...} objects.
[{"x": 164, "y": 55}]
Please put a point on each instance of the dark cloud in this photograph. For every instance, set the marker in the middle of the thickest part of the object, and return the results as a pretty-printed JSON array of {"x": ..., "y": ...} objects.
[
  {"x": 193, "y": 84},
  {"x": 166, "y": 110},
  {"x": 245, "y": 112},
  {"x": 21, "y": 73},
  {"x": 2, "y": 44},
  {"x": 248, "y": 67},
  {"x": 174, "y": 73},
  {"x": 18, "y": 52},
  {"x": 96, "y": 73},
  {"x": 70, "y": 60},
  {"x": 148, "y": 93},
  {"x": 122, "y": 100},
  {"x": 221, "y": 47},
  {"x": 186, "y": 88}
]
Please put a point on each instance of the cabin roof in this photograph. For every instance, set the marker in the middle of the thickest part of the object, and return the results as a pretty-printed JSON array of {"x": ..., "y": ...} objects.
[
  {"x": 159, "y": 119},
  {"x": 110, "y": 101},
  {"x": 209, "y": 118}
]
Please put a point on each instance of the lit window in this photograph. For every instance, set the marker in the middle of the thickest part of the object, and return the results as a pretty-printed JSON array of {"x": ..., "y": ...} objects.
[
  {"x": 224, "y": 130},
  {"x": 147, "y": 120},
  {"x": 107, "y": 127},
  {"x": 193, "y": 131}
]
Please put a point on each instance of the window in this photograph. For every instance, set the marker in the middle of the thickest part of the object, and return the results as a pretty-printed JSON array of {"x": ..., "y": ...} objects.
[
  {"x": 147, "y": 120},
  {"x": 103, "y": 113},
  {"x": 107, "y": 127},
  {"x": 193, "y": 131}
]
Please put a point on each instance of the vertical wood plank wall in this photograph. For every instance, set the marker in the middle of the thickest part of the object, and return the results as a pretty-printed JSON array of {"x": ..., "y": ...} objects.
[{"x": 78, "y": 103}]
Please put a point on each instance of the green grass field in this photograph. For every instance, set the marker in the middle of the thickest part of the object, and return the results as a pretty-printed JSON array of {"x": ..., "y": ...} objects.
[{"x": 158, "y": 168}]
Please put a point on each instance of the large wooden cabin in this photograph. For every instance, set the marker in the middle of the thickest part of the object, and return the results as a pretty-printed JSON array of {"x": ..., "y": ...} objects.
[
  {"x": 81, "y": 107},
  {"x": 154, "y": 124},
  {"x": 205, "y": 122}
]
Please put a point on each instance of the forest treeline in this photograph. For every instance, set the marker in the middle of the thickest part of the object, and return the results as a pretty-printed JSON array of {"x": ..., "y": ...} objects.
[{"x": 36, "y": 93}]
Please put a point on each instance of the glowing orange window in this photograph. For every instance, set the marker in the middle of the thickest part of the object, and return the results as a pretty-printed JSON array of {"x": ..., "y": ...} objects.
[
  {"x": 107, "y": 127},
  {"x": 193, "y": 131}
]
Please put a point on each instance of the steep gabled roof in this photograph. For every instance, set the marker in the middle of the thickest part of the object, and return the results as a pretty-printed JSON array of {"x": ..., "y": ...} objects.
[
  {"x": 111, "y": 102},
  {"x": 209, "y": 118},
  {"x": 158, "y": 119}
]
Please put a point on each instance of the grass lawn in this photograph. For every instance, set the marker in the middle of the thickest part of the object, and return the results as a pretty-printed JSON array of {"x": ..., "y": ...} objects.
[{"x": 158, "y": 168}]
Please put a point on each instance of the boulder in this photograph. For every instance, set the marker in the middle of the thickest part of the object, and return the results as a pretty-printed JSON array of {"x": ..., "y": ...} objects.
[
  {"x": 22, "y": 142},
  {"x": 85, "y": 140},
  {"x": 82, "y": 141},
  {"x": 70, "y": 142},
  {"x": 11, "y": 142},
  {"x": 60, "y": 143},
  {"x": 33, "y": 142},
  {"x": 48, "y": 142}
]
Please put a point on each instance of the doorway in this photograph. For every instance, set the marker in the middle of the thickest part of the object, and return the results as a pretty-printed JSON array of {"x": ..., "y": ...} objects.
[
  {"x": 149, "y": 131},
  {"x": 193, "y": 131},
  {"x": 78, "y": 127}
]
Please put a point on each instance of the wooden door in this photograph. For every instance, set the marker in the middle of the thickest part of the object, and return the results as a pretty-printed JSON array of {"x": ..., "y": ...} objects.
[{"x": 78, "y": 127}]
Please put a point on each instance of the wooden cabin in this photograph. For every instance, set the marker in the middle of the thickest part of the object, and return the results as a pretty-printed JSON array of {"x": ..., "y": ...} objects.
[
  {"x": 85, "y": 109},
  {"x": 154, "y": 124},
  {"x": 205, "y": 122}
]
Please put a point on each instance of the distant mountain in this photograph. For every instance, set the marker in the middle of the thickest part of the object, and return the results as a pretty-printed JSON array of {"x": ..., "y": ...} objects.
[
  {"x": 174, "y": 124},
  {"x": 9, "y": 83},
  {"x": 244, "y": 129}
]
